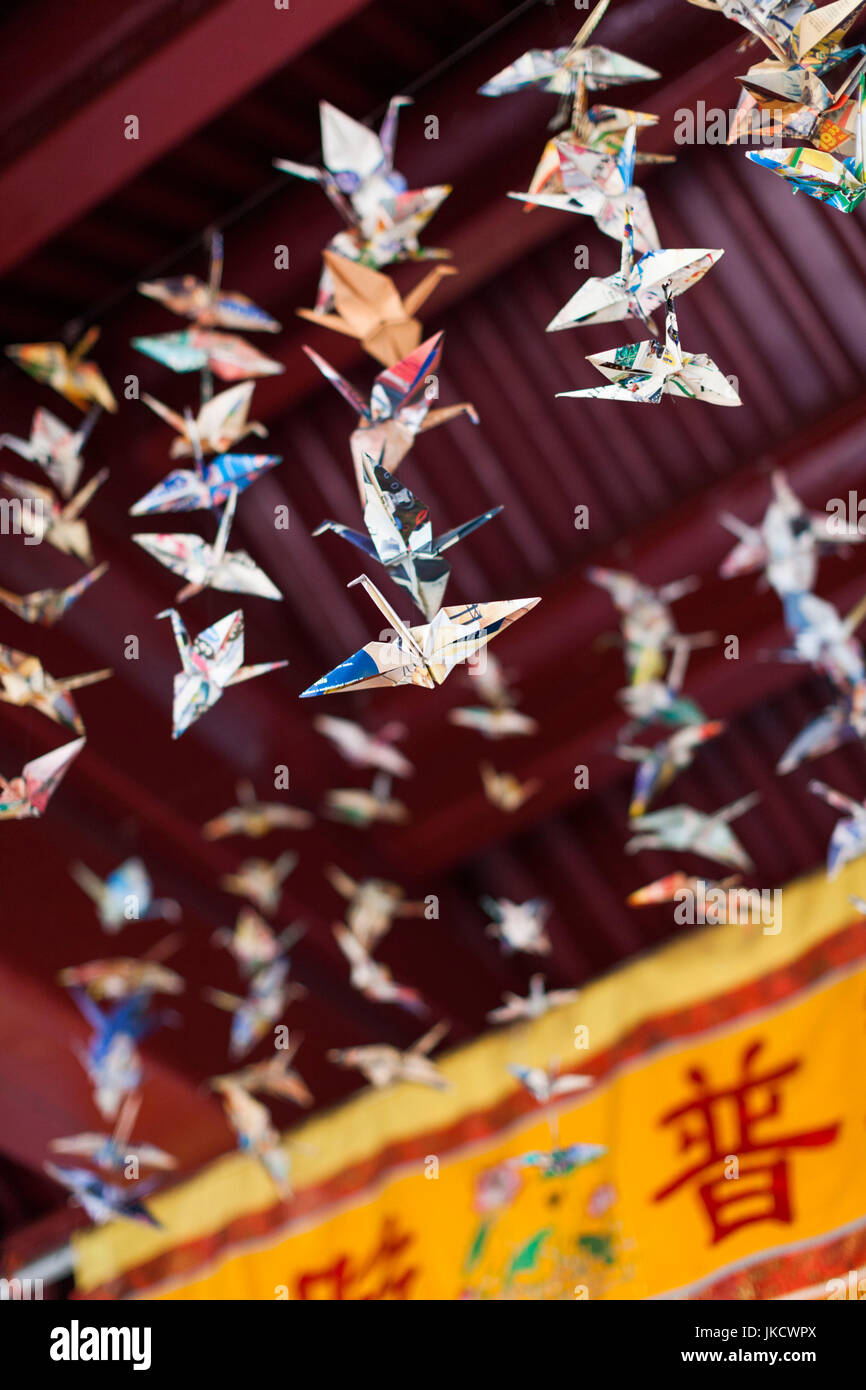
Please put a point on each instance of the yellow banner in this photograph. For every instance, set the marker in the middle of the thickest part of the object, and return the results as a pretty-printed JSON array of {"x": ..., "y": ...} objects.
[{"x": 728, "y": 1096}]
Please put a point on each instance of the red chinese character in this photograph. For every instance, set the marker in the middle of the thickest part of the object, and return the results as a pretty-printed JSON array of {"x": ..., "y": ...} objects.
[
  {"x": 344, "y": 1279},
  {"x": 726, "y": 1123}
]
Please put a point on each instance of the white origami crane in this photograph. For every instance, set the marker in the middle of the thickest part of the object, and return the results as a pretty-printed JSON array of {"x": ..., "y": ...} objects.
[
  {"x": 566, "y": 70},
  {"x": 400, "y": 536},
  {"x": 545, "y": 1085},
  {"x": 209, "y": 566},
  {"x": 363, "y": 749},
  {"x": 54, "y": 447},
  {"x": 29, "y": 794},
  {"x": 383, "y": 1064},
  {"x": 424, "y": 655},
  {"x": 536, "y": 1003},
  {"x": 372, "y": 979},
  {"x": 601, "y": 186},
  {"x": 644, "y": 372},
  {"x": 383, "y": 216},
  {"x": 787, "y": 542},
  {"x": 44, "y": 518},
  {"x": 635, "y": 290},
  {"x": 125, "y": 895},
  {"x": 519, "y": 926},
  {"x": 220, "y": 423},
  {"x": 211, "y": 663},
  {"x": 684, "y": 828},
  {"x": 848, "y": 841}
]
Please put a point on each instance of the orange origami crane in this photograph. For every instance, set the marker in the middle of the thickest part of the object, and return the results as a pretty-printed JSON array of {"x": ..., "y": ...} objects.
[
  {"x": 369, "y": 307},
  {"x": 65, "y": 370}
]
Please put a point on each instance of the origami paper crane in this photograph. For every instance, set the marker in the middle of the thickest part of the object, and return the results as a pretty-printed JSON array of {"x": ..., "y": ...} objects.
[
  {"x": 393, "y": 232},
  {"x": 383, "y": 216},
  {"x": 112, "y": 1152},
  {"x": 598, "y": 185},
  {"x": 207, "y": 304},
  {"x": 848, "y": 840},
  {"x": 658, "y": 766},
  {"x": 787, "y": 542},
  {"x": 220, "y": 422},
  {"x": 400, "y": 536},
  {"x": 636, "y": 289},
  {"x": 784, "y": 95},
  {"x": 66, "y": 371},
  {"x": 102, "y": 1201},
  {"x": 360, "y": 807},
  {"x": 268, "y": 998},
  {"x": 124, "y": 976},
  {"x": 713, "y": 903},
  {"x": 54, "y": 447},
  {"x": 684, "y": 828},
  {"x": 261, "y": 881},
  {"x": 202, "y": 348},
  {"x": 126, "y": 895},
  {"x": 255, "y": 818},
  {"x": 841, "y": 183},
  {"x": 794, "y": 29},
  {"x": 648, "y": 626},
  {"x": 565, "y": 70},
  {"x": 44, "y": 518},
  {"x": 534, "y": 1005},
  {"x": 253, "y": 943},
  {"x": 644, "y": 372},
  {"x": 372, "y": 905},
  {"x": 824, "y": 639},
  {"x": 211, "y": 663},
  {"x": 358, "y": 165},
  {"x": 560, "y": 1163},
  {"x": 665, "y": 890},
  {"x": 363, "y": 749},
  {"x": 251, "y": 1122},
  {"x": 505, "y": 791},
  {"x": 598, "y": 129},
  {"x": 369, "y": 307},
  {"x": 603, "y": 128},
  {"x": 373, "y": 980},
  {"x": 111, "y": 1058},
  {"x": 47, "y": 606},
  {"x": 382, "y": 1064},
  {"x": 787, "y": 100},
  {"x": 840, "y": 722},
  {"x": 25, "y": 682},
  {"x": 30, "y": 793},
  {"x": 424, "y": 655},
  {"x": 500, "y": 718},
  {"x": 519, "y": 926},
  {"x": 662, "y": 701},
  {"x": 545, "y": 1085},
  {"x": 388, "y": 426},
  {"x": 493, "y": 723},
  {"x": 276, "y": 1076},
  {"x": 207, "y": 486},
  {"x": 209, "y": 566}
]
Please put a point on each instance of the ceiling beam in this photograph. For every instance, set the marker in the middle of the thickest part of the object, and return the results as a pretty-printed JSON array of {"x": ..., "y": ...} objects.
[{"x": 260, "y": 39}]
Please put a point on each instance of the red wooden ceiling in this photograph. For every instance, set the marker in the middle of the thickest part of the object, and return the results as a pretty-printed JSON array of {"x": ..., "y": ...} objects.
[{"x": 781, "y": 311}]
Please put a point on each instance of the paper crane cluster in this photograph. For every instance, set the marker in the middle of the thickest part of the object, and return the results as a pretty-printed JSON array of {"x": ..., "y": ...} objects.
[
  {"x": 784, "y": 96},
  {"x": 358, "y": 299},
  {"x": 587, "y": 168},
  {"x": 786, "y": 546},
  {"x": 656, "y": 657}
]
